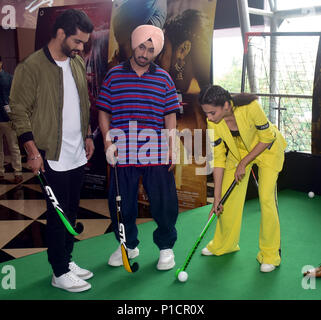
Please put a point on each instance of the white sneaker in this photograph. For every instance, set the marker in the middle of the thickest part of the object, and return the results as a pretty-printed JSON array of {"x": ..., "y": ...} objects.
[
  {"x": 206, "y": 252},
  {"x": 80, "y": 272},
  {"x": 265, "y": 267},
  {"x": 166, "y": 259},
  {"x": 70, "y": 282},
  {"x": 116, "y": 260}
]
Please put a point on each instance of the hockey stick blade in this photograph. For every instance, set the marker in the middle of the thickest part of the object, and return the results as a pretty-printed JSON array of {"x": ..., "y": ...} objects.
[
  {"x": 201, "y": 236},
  {"x": 51, "y": 196},
  {"x": 79, "y": 227},
  {"x": 130, "y": 268}
]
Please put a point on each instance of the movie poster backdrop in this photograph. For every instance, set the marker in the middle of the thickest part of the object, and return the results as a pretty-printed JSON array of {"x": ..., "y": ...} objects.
[
  {"x": 96, "y": 58},
  {"x": 188, "y": 29}
]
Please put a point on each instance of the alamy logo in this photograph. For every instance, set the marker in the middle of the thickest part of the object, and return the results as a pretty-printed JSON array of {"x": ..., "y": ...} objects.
[
  {"x": 308, "y": 282},
  {"x": 9, "y": 279},
  {"x": 151, "y": 144},
  {"x": 8, "y": 17}
]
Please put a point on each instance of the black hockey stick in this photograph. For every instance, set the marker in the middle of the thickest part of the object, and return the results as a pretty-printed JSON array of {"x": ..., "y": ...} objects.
[
  {"x": 122, "y": 232},
  {"x": 51, "y": 196},
  {"x": 201, "y": 236}
]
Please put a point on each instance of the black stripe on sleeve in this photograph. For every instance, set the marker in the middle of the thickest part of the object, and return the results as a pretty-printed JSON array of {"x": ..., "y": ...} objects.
[
  {"x": 216, "y": 142},
  {"x": 263, "y": 127}
]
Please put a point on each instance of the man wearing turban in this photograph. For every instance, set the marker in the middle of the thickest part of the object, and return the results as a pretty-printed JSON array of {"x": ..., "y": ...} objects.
[
  {"x": 137, "y": 101},
  {"x": 127, "y": 15}
]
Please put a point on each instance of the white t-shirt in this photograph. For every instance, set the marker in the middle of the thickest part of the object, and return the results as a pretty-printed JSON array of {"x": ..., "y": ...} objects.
[{"x": 72, "y": 153}]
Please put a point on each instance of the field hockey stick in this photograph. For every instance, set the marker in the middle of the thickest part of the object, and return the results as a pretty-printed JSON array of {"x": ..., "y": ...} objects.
[
  {"x": 122, "y": 232},
  {"x": 51, "y": 196},
  {"x": 201, "y": 236},
  {"x": 253, "y": 174}
]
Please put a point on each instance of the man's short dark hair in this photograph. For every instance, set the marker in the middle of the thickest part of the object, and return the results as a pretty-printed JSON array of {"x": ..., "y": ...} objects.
[{"x": 71, "y": 20}]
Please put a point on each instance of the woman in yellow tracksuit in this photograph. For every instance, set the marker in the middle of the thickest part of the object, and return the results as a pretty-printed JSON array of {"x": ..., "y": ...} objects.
[{"x": 242, "y": 136}]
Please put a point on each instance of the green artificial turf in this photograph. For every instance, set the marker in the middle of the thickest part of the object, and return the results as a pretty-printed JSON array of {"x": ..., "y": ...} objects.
[{"x": 228, "y": 277}]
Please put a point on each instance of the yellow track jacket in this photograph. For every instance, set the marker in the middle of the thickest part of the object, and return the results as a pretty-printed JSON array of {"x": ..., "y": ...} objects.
[{"x": 254, "y": 127}]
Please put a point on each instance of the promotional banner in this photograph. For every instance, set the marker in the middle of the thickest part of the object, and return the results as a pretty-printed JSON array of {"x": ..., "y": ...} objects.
[
  {"x": 96, "y": 58},
  {"x": 188, "y": 29},
  {"x": 316, "y": 105},
  {"x": 187, "y": 57}
]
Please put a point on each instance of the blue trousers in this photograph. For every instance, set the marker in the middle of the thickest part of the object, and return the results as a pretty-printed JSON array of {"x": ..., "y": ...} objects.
[{"x": 160, "y": 187}]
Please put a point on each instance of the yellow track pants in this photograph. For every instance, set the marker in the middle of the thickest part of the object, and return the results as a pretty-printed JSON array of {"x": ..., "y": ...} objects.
[{"x": 227, "y": 233}]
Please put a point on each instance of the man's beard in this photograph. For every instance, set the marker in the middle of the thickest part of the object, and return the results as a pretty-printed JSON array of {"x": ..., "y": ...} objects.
[
  {"x": 141, "y": 61},
  {"x": 68, "y": 52}
]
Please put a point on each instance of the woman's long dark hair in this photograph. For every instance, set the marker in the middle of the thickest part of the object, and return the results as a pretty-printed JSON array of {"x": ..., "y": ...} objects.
[{"x": 217, "y": 96}]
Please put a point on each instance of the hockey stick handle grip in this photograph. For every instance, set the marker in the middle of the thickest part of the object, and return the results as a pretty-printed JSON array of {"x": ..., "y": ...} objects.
[
  {"x": 116, "y": 181},
  {"x": 227, "y": 193}
]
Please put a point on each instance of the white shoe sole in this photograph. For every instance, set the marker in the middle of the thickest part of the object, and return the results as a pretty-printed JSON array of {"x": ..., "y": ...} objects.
[
  {"x": 163, "y": 267},
  {"x": 76, "y": 289},
  {"x": 115, "y": 264},
  {"x": 267, "y": 269},
  {"x": 86, "y": 276},
  {"x": 206, "y": 252}
]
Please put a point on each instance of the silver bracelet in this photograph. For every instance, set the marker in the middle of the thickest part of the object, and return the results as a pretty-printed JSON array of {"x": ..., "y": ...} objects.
[{"x": 35, "y": 158}]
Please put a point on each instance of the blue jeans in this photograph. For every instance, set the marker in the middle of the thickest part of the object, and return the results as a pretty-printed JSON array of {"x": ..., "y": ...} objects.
[{"x": 160, "y": 187}]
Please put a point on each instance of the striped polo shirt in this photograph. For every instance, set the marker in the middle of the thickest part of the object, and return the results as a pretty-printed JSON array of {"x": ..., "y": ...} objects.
[{"x": 138, "y": 106}]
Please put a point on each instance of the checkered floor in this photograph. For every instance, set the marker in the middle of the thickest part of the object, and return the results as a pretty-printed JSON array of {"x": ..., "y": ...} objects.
[
  {"x": 23, "y": 211},
  {"x": 22, "y": 217}
]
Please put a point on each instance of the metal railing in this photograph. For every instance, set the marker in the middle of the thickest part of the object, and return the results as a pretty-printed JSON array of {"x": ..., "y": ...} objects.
[{"x": 293, "y": 120}]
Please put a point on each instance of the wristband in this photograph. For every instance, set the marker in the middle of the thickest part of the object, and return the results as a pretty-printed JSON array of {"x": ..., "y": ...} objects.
[{"x": 90, "y": 136}]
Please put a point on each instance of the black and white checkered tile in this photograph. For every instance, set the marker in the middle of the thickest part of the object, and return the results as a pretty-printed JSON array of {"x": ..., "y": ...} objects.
[{"x": 22, "y": 217}]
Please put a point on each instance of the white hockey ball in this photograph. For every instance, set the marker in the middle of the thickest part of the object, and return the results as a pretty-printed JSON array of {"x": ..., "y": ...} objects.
[
  {"x": 182, "y": 276},
  {"x": 311, "y": 194}
]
